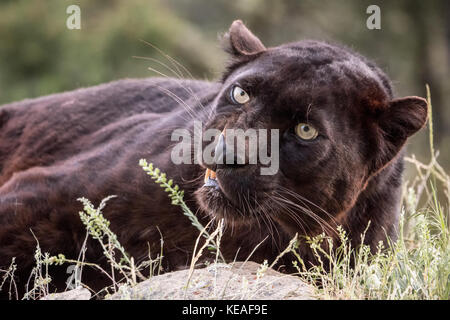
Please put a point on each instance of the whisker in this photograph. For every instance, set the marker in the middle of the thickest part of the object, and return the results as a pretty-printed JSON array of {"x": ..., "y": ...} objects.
[
  {"x": 175, "y": 64},
  {"x": 165, "y": 55},
  {"x": 179, "y": 76},
  {"x": 296, "y": 195},
  {"x": 158, "y": 72},
  {"x": 178, "y": 99},
  {"x": 326, "y": 227},
  {"x": 266, "y": 210}
]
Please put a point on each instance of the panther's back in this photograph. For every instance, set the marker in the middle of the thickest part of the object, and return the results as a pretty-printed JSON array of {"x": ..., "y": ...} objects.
[{"x": 82, "y": 119}]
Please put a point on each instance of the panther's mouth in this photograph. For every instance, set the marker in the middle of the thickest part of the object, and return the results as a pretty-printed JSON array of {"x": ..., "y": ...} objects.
[
  {"x": 227, "y": 186},
  {"x": 233, "y": 194},
  {"x": 211, "y": 179},
  {"x": 218, "y": 199},
  {"x": 220, "y": 187}
]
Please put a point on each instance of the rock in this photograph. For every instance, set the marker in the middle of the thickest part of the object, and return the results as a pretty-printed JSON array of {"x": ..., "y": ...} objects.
[
  {"x": 79, "y": 293},
  {"x": 248, "y": 281}
]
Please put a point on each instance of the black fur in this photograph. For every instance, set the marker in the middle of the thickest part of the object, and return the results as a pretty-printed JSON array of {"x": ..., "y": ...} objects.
[{"x": 87, "y": 143}]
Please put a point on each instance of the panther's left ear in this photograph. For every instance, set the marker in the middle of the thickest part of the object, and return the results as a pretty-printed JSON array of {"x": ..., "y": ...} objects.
[
  {"x": 240, "y": 41},
  {"x": 396, "y": 123}
]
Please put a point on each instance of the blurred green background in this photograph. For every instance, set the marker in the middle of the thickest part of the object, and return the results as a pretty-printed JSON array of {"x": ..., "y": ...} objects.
[{"x": 39, "y": 55}]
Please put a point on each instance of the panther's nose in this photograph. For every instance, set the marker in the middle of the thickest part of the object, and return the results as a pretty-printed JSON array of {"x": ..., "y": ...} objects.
[
  {"x": 225, "y": 155},
  {"x": 220, "y": 150}
]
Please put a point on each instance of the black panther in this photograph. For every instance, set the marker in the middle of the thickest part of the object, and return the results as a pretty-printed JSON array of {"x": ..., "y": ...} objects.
[{"x": 341, "y": 139}]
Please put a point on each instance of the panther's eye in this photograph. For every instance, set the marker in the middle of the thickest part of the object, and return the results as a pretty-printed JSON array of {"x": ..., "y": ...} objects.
[
  {"x": 306, "y": 131},
  {"x": 238, "y": 95}
]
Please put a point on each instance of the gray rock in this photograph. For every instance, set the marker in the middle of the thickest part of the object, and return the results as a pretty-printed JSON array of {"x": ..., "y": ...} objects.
[
  {"x": 79, "y": 293},
  {"x": 243, "y": 281}
]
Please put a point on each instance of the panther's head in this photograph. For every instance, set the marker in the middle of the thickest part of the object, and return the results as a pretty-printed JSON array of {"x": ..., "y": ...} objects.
[{"x": 337, "y": 121}]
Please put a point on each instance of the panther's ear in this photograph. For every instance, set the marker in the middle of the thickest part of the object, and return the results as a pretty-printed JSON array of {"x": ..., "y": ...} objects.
[
  {"x": 396, "y": 123},
  {"x": 242, "y": 45},
  {"x": 240, "y": 41}
]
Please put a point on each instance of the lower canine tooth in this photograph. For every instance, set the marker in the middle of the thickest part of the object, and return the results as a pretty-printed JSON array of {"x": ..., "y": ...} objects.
[{"x": 209, "y": 175}]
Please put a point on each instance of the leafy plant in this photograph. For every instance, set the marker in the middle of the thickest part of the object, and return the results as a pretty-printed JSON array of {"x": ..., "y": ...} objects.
[{"x": 177, "y": 197}]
